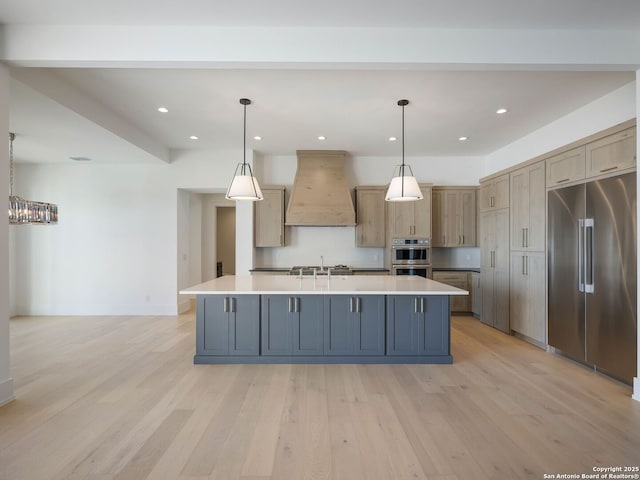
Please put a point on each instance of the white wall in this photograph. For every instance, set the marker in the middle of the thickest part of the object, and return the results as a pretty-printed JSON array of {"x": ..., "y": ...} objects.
[
  {"x": 6, "y": 383},
  {"x": 615, "y": 107}
]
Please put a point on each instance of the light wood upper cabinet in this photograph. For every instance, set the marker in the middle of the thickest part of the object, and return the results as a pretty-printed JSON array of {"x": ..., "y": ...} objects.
[
  {"x": 527, "y": 208},
  {"x": 411, "y": 219},
  {"x": 611, "y": 154},
  {"x": 454, "y": 216},
  {"x": 371, "y": 216},
  {"x": 566, "y": 167},
  {"x": 269, "y": 218},
  {"x": 494, "y": 193}
]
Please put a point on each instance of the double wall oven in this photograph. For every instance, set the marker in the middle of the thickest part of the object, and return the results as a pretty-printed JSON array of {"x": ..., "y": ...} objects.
[{"x": 411, "y": 256}]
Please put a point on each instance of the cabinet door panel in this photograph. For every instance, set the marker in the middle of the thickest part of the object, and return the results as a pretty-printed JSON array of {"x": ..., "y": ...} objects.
[
  {"x": 401, "y": 331},
  {"x": 308, "y": 326},
  {"x": 371, "y": 217},
  {"x": 452, "y": 235},
  {"x": 269, "y": 219},
  {"x": 244, "y": 325},
  {"x": 566, "y": 167},
  {"x": 276, "y": 325},
  {"x": 536, "y": 234},
  {"x": 369, "y": 326},
  {"x": 433, "y": 331},
  {"x": 612, "y": 153},
  {"x": 438, "y": 218},
  {"x": 536, "y": 314},
  {"x": 422, "y": 214},
  {"x": 338, "y": 325},
  {"x": 488, "y": 300},
  {"x": 468, "y": 221},
  {"x": 519, "y": 208},
  {"x": 518, "y": 293},
  {"x": 213, "y": 323}
]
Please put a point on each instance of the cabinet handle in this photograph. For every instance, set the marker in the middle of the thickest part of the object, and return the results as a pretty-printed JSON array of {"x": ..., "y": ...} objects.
[
  {"x": 523, "y": 240},
  {"x": 225, "y": 305},
  {"x": 296, "y": 304},
  {"x": 415, "y": 304},
  {"x": 232, "y": 305},
  {"x": 526, "y": 266},
  {"x": 351, "y": 304},
  {"x": 608, "y": 169},
  {"x": 523, "y": 264},
  {"x": 422, "y": 304},
  {"x": 526, "y": 237},
  {"x": 563, "y": 180}
]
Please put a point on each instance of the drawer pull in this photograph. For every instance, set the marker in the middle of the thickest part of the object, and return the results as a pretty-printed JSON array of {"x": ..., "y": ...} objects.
[
  {"x": 563, "y": 180},
  {"x": 608, "y": 169}
]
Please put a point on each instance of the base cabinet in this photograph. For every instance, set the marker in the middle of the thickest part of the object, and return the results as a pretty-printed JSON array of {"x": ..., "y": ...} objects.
[
  {"x": 415, "y": 325},
  {"x": 322, "y": 328},
  {"x": 228, "y": 325},
  {"x": 354, "y": 325},
  {"x": 292, "y": 325}
]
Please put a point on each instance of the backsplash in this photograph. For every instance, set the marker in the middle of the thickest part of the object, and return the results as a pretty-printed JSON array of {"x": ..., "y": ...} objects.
[
  {"x": 304, "y": 245},
  {"x": 457, "y": 257}
]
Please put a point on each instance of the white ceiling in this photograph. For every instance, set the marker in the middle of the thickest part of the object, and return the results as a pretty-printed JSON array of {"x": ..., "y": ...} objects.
[{"x": 356, "y": 109}]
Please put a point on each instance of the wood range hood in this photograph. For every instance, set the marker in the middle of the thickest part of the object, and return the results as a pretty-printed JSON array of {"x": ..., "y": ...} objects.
[{"x": 320, "y": 196}]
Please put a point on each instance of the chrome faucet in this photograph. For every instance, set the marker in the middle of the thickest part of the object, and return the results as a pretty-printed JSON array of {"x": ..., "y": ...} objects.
[{"x": 321, "y": 263}]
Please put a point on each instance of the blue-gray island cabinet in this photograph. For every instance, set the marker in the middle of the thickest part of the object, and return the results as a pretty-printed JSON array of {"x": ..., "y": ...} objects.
[{"x": 330, "y": 321}]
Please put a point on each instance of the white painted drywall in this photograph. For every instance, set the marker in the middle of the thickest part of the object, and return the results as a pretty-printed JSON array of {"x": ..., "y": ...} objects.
[
  {"x": 611, "y": 109},
  {"x": 6, "y": 383}
]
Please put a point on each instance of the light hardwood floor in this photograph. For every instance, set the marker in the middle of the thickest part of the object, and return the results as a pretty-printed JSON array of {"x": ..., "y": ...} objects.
[{"x": 119, "y": 398}]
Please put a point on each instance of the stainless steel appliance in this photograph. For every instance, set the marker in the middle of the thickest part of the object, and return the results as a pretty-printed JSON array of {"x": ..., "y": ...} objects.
[
  {"x": 592, "y": 274},
  {"x": 411, "y": 256}
]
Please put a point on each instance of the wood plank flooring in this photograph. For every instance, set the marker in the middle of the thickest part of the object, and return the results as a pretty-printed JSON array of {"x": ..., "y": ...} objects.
[{"x": 119, "y": 398}]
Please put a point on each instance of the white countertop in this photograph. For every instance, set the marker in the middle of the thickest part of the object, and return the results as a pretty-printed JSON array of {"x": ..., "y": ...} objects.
[{"x": 341, "y": 285}]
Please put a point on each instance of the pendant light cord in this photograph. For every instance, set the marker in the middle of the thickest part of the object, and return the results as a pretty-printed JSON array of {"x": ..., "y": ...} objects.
[
  {"x": 402, "y": 140},
  {"x": 244, "y": 141},
  {"x": 11, "y": 137}
]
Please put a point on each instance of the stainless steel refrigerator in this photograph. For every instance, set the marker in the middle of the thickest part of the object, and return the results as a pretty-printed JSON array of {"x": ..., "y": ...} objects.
[{"x": 592, "y": 274}]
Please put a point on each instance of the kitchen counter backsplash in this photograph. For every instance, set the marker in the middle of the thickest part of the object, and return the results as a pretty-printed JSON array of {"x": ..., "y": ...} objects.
[{"x": 456, "y": 258}]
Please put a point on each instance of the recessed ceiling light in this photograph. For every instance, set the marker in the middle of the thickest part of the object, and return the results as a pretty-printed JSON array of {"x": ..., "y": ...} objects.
[
  {"x": 193, "y": 137},
  {"x": 392, "y": 139},
  {"x": 322, "y": 138},
  {"x": 80, "y": 159},
  {"x": 163, "y": 109},
  {"x": 500, "y": 111},
  {"x": 463, "y": 139},
  {"x": 257, "y": 137}
]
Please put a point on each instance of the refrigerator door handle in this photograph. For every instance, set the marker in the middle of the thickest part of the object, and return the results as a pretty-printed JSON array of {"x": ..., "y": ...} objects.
[
  {"x": 581, "y": 254},
  {"x": 588, "y": 255}
]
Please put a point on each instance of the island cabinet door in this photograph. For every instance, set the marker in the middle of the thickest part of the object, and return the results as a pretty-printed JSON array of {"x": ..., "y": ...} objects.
[
  {"x": 276, "y": 323},
  {"x": 308, "y": 325},
  {"x": 401, "y": 325},
  {"x": 338, "y": 325},
  {"x": 244, "y": 325},
  {"x": 368, "y": 325},
  {"x": 433, "y": 325},
  {"x": 212, "y": 324}
]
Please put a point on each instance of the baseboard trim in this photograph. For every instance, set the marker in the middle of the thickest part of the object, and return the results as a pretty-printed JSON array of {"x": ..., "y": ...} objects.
[
  {"x": 6, "y": 391},
  {"x": 636, "y": 389}
]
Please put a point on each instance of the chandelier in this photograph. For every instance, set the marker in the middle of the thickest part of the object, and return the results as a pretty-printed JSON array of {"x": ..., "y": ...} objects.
[{"x": 27, "y": 212}]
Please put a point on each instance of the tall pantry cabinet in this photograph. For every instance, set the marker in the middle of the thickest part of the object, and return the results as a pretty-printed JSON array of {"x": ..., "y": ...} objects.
[
  {"x": 528, "y": 260},
  {"x": 494, "y": 251}
]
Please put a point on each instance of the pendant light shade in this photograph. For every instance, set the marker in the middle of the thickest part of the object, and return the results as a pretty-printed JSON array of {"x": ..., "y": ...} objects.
[
  {"x": 244, "y": 185},
  {"x": 404, "y": 186},
  {"x": 27, "y": 212}
]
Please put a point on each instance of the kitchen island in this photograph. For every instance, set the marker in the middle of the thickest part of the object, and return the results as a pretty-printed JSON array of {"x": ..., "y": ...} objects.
[{"x": 336, "y": 319}]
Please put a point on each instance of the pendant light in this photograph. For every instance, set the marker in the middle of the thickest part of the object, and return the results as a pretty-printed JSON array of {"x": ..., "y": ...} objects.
[
  {"x": 244, "y": 185},
  {"x": 26, "y": 212},
  {"x": 404, "y": 186}
]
